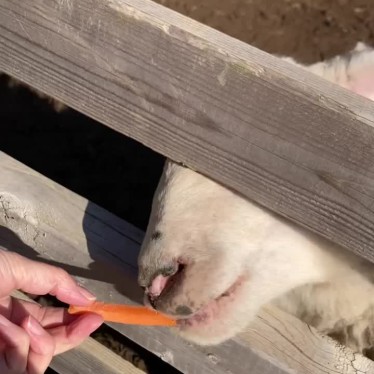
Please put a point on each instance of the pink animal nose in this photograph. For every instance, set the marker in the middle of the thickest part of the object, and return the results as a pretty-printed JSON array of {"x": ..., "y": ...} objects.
[
  {"x": 165, "y": 278},
  {"x": 157, "y": 286}
]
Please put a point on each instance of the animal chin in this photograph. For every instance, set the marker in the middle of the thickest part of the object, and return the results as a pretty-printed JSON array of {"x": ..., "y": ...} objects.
[{"x": 215, "y": 309}]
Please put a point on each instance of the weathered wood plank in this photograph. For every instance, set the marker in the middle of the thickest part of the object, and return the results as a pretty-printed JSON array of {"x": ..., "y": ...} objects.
[
  {"x": 56, "y": 225},
  {"x": 289, "y": 140},
  {"x": 89, "y": 357},
  {"x": 301, "y": 348},
  {"x": 92, "y": 357}
]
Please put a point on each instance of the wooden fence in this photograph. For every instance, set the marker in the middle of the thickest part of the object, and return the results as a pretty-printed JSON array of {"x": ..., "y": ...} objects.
[{"x": 283, "y": 137}]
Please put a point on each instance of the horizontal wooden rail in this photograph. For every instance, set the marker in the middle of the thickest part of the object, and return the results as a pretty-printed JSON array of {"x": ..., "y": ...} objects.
[
  {"x": 276, "y": 134},
  {"x": 44, "y": 221}
]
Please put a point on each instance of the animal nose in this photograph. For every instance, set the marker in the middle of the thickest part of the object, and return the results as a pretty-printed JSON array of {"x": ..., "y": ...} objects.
[
  {"x": 163, "y": 288},
  {"x": 153, "y": 280},
  {"x": 157, "y": 286}
]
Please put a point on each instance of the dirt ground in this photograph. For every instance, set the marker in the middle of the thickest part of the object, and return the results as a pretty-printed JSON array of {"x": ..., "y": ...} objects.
[
  {"x": 120, "y": 174},
  {"x": 308, "y": 30}
]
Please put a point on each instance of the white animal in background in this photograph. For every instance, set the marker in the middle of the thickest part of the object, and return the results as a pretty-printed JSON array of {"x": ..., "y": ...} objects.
[{"x": 213, "y": 259}]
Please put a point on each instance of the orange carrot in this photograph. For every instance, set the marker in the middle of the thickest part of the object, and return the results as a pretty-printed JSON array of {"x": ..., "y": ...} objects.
[{"x": 131, "y": 315}]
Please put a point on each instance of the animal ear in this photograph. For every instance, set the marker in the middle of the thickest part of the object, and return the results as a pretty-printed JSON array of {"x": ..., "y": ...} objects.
[{"x": 360, "y": 71}]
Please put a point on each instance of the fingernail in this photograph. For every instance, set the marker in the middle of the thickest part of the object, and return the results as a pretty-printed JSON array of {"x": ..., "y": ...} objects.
[
  {"x": 86, "y": 294},
  {"x": 4, "y": 321},
  {"x": 34, "y": 327}
]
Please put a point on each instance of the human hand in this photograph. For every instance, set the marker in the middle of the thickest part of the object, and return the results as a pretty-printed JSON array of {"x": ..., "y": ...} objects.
[{"x": 30, "y": 335}]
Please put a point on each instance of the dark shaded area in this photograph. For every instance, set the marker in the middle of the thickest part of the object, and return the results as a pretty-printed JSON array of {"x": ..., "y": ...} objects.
[
  {"x": 88, "y": 158},
  {"x": 50, "y": 371}
]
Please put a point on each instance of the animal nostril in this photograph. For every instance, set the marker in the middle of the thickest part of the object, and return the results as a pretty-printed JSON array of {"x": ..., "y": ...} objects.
[
  {"x": 152, "y": 301},
  {"x": 169, "y": 270}
]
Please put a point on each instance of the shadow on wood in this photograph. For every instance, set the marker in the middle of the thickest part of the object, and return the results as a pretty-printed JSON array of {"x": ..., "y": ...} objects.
[{"x": 102, "y": 271}]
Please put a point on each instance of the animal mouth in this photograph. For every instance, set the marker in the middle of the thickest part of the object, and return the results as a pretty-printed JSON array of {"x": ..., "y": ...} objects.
[
  {"x": 164, "y": 282},
  {"x": 214, "y": 309}
]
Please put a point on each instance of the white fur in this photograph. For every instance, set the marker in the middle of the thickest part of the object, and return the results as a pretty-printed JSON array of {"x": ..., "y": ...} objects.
[{"x": 221, "y": 236}]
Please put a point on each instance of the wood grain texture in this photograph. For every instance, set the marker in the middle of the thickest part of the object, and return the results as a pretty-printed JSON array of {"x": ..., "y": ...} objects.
[
  {"x": 301, "y": 347},
  {"x": 43, "y": 220},
  {"x": 288, "y": 140},
  {"x": 92, "y": 357},
  {"x": 89, "y": 357}
]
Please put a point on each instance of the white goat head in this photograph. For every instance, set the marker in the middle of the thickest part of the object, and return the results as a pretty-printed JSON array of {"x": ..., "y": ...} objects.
[{"x": 212, "y": 258}]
